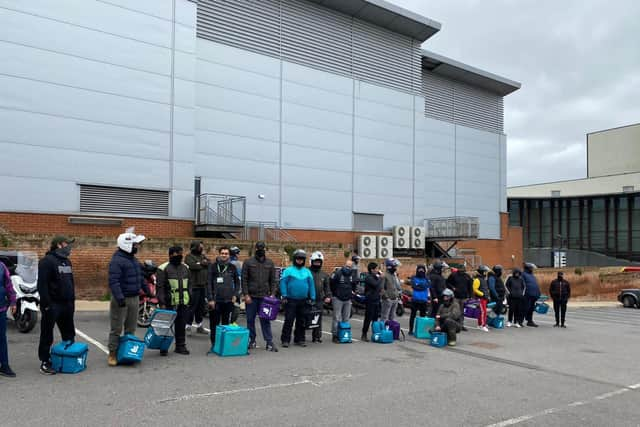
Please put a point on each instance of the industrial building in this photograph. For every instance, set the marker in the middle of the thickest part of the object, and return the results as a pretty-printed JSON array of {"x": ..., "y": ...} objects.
[
  {"x": 307, "y": 115},
  {"x": 594, "y": 220}
]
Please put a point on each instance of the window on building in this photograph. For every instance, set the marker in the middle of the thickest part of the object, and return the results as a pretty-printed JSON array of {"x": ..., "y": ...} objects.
[
  {"x": 635, "y": 227},
  {"x": 534, "y": 224},
  {"x": 574, "y": 224},
  {"x": 125, "y": 201},
  {"x": 598, "y": 225},
  {"x": 545, "y": 228},
  {"x": 555, "y": 193},
  {"x": 623, "y": 226},
  {"x": 514, "y": 212},
  {"x": 627, "y": 189},
  {"x": 367, "y": 222}
]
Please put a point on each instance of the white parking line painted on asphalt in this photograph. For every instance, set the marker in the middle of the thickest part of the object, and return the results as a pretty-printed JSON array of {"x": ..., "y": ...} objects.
[
  {"x": 228, "y": 392},
  {"x": 86, "y": 337},
  {"x": 600, "y": 397}
]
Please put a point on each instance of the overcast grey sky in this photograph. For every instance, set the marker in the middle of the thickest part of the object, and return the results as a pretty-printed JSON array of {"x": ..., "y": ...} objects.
[{"x": 578, "y": 62}]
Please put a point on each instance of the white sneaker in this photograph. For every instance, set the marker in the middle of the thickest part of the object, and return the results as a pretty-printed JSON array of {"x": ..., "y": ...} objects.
[
  {"x": 509, "y": 324},
  {"x": 484, "y": 328},
  {"x": 515, "y": 325}
]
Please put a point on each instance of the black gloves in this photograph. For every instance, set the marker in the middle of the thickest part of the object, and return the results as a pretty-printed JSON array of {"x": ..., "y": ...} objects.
[{"x": 122, "y": 303}]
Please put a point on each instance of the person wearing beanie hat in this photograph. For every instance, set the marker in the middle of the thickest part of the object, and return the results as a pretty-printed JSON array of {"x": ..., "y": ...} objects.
[{"x": 372, "y": 289}]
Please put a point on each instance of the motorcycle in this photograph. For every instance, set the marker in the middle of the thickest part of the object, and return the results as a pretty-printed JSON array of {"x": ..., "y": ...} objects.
[
  {"x": 23, "y": 270},
  {"x": 147, "y": 305}
]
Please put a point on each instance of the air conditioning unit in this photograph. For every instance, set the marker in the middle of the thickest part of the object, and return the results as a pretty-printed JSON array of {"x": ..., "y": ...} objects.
[
  {"x": 417, "y": 237},
  {"x": 401, "y": 237},
  {"x": 367, "y": 246},
  {"x": 385, "y": 246}
]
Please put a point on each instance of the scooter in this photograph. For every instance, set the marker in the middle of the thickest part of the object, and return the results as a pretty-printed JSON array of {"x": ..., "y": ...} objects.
[
  {"x": 147, "y": 305},
  {"x": 23, "y": 269}
]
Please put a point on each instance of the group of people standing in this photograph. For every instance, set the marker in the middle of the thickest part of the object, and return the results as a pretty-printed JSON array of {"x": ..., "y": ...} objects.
[{"x": 192, "y": 284}]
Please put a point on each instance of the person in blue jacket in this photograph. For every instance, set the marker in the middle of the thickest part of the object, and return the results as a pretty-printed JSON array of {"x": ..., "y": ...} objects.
[
  {"x": 531, "y": 293},
  {"x": 297, "y": 289},
  {"x": 421, "y": 289}
]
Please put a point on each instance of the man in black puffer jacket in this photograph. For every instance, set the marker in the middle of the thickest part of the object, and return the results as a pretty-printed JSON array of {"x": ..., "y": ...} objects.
[
  {"x": 125, "y": 282},
  {"x": 462, "y": 286},
  {"x": 438, "y": 285},
  {"x": 57, "y": 298}
]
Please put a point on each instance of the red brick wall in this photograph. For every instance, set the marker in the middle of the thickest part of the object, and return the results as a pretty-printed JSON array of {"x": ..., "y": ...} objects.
[{"x": 51, "y": 224}]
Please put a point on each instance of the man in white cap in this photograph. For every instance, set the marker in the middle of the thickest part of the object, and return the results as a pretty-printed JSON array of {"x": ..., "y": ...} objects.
[{"x": 125, "y": 282}]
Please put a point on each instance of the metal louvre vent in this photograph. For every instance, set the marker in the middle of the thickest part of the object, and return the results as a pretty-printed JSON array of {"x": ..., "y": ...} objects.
[
  {"x": 116, "y": 200},
  {"x": 462, "y": 104},
  {"x": 313, "y": 35},
  {"x": 247, "y": 24}
]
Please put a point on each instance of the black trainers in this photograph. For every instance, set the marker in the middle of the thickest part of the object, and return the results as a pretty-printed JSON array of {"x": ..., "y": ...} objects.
[
  {"x": 364, "y": 338},
  {"x": 301, "y": 344},
  {"x": 318, "y": 340},
  {"x": 562, "y": 326},
  {"x": 163, "y": 352},
  {"x": 284, "y": 344},
  {"x": 335, "y": 340},
  {"x": 464, "y": 329},
  {"x": 532, "y": 324},
  {"x": 271, "y": 347},
  {"x": 182, "y": 350},
  {"x": 47, "y": 369},
  {"x": 6, "y": 371},
  {"x": 252, "y": 344}
]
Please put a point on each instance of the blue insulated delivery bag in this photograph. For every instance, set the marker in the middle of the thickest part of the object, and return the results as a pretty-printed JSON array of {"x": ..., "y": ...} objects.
[
  {"x": 69, "y": 357},
  {"x": 496, "y": 322},
  {"x": 159, "y": 336},
  {"x": 541, "y": 307},
  {"x": 231, "y": 340},
  {"x": 344, "y": 332},
  {"x": 383, "y": 337},
  {"x": 423, "y": 326},
  {"x": 130, "y": 350},
  {"x": 438, "y": 339},
  {"x": 377, "y": 326}
]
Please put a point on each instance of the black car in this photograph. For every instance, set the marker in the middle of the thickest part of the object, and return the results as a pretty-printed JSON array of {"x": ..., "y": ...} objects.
[{"x": 630, "y": 297}]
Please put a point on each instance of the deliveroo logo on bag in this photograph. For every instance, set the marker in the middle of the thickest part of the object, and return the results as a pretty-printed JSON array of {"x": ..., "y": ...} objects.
[
  {"x": 266, "y": 310},
  {"x": 236, "y": 342},
  {"x": 316, "y": 318},
  {"x": 435, "y": 340},
  {"x": 135, "y": 349}
]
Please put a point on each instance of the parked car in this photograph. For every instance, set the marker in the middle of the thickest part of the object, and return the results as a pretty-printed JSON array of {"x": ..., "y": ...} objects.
[{"x": 630, "y": 297}]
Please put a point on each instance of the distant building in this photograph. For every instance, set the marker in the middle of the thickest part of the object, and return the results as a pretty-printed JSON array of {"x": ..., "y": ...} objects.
[{"x": 595, "y": 220}]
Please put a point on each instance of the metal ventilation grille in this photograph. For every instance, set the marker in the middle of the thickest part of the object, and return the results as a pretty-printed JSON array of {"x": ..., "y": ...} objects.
[
  {"x": 462, "y": 104},
  {"x": 251, "y": 25},
  {"x": 382, "y": 56},
  {"x": 313, "y": 35},
  {"x": 438, "y": 96},
  {"x": 115, "y": 200}
]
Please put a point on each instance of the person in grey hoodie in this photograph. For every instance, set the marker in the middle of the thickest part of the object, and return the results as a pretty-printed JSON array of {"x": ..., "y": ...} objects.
[{"x": 391, "y": 289}]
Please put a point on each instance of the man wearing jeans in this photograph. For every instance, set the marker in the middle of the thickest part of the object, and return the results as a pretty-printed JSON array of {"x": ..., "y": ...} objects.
[
  {"x": 342, "y": 288},
  {"x": 390, "y": 289},
  {"x": 258, "y": 281}
]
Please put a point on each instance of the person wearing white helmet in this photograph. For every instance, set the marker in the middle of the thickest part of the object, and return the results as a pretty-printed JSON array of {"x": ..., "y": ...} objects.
[
  {"x": 125, "y": 281},
  {"x": 448, "y": 317},
  {"x": 323, "y": 290}
]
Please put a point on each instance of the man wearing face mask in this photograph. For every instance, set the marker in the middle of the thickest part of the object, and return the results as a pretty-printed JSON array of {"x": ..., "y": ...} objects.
[
  {"x": 174, "y": 293},
  {"x": 125, "y": 281},
  {"x": 342, "y": 288},
  {"x": 198, "y": 277},
  {"x": 438, "y": 285},
  {"x": 372, "y": 290},
  {"x": 57, "y": 298},
  {"x": 390, "y": 289},
  {"x": 516, "y": 299},
  {"x": 323, "y": 290},
  {"x": 223, "y": 290},
  {"x": 421, "y": 294},
  {"x": 560, "y": 292},
  {"x": 448, "y": 317},
  {"x": 297, "y": 288},
  {"x": 258, "y": 281}
]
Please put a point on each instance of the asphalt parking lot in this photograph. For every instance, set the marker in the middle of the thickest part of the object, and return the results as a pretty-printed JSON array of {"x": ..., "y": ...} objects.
[{"x": 585, "y": 375}]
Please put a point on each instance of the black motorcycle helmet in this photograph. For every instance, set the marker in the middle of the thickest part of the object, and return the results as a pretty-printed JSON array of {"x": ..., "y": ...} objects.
[
  {"x": 483, "y": 269},
  {"x": 497, "y": 269},
  {"x": 529, "y": 267}
]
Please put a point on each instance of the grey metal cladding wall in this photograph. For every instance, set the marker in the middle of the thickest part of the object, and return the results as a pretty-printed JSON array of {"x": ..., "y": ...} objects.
[
  {"x": 251, "y": 25},
  {"x": 116, "y": 200},
  {"x": 463, "y": 104},
  {"x": 313, "y": 35}
]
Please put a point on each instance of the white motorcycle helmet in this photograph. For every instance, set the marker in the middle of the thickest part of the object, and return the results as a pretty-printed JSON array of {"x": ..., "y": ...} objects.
[
  {"x": 317, "y": 255},
  {"x": 126, "y": 241}
]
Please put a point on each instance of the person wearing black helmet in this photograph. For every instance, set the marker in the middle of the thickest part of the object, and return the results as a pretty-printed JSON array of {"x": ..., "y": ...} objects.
[
  {"x": 532, "y": 292},
  {"x": 372, "y": 290},
  {"x": 258, "y": 281},
  {"x": 342, "y": 290},
  {"x": 481, "y": 290},
  {"x": 323, "y": 290},
  {"x": 496, "y": 288},
  {"x": 462, "y": 286},
  {"x": 438, "y": 285},
  {"x": 516, "y": 300},
  {"x": 421, "y": 293},
  {"x": 391, "y": 289},
  {"x": 297, "y": 289},
  {"x": 234, "y": 259},
  {"x": 198, "y": 264}
]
